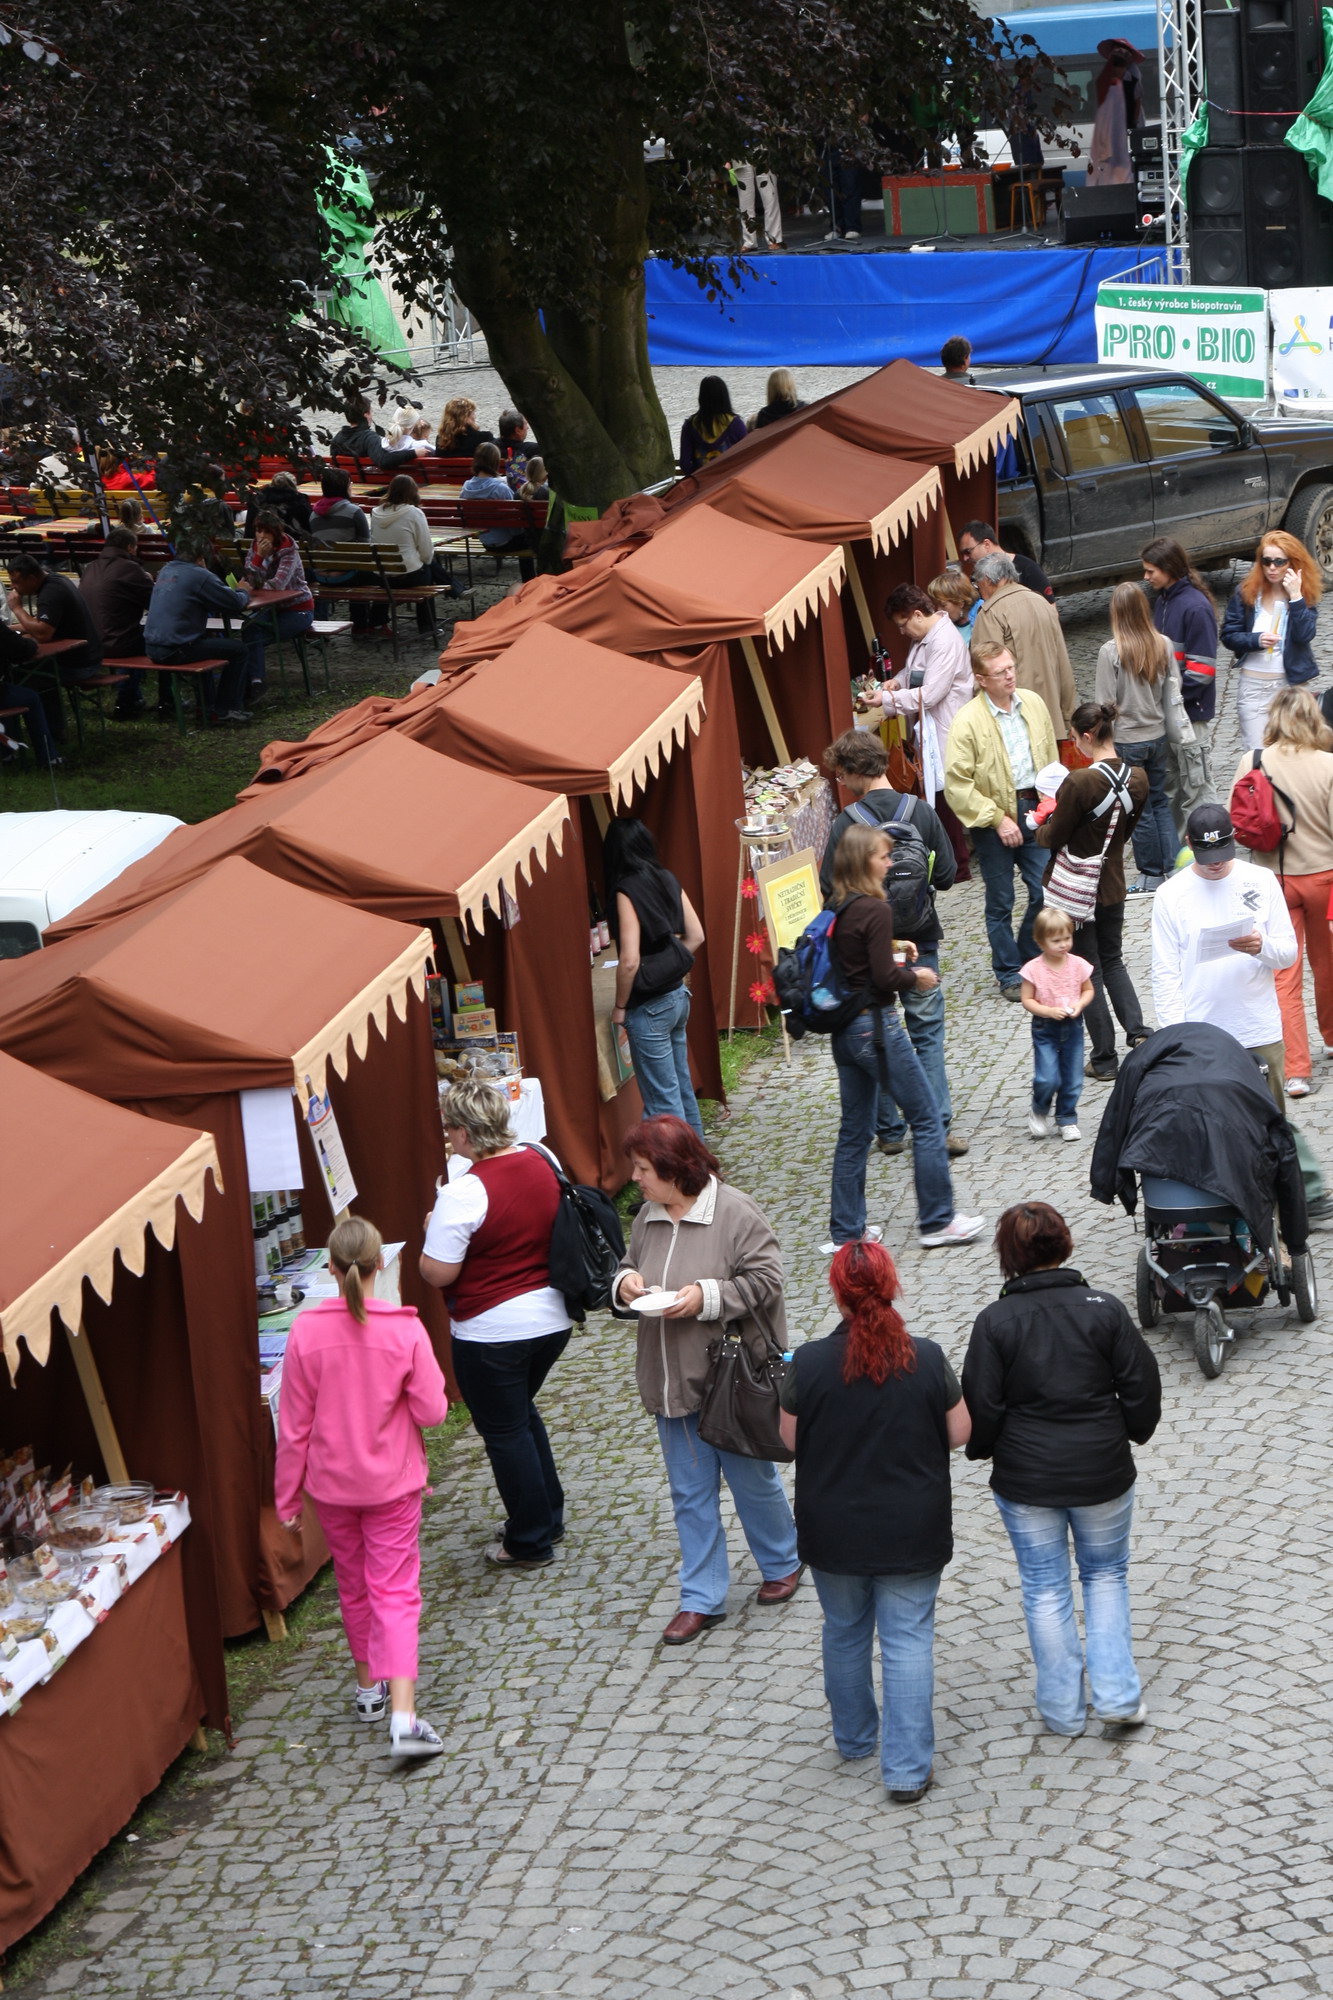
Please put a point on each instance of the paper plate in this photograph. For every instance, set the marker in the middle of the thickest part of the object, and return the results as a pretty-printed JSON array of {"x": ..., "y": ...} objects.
[{"x": 653, "y": 1302}]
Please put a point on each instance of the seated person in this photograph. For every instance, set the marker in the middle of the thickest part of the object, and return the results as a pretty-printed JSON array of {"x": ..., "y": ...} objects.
[
  {"x": 458, "y": 436},
  {"x": 16, "y": 652},
  {"x": 282, "y": 496},
  {"x": 336, "y": 517},
  {"x": 185, "y": 596},
  {"x": 536, "y": 485},
  {"x": 516, "y": 440},
  {"x": 116, "y": 588},
  {"x": 274, "y": 563},
  {"x": 486, "y": 484},
  {"x": 60, "y": 614},
  {"x": 359, "y": 438},
  {"x": 399, "y": 523}
]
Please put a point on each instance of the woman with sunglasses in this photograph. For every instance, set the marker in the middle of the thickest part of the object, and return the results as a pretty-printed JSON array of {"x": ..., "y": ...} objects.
[{"x": 1269, "y": 625}]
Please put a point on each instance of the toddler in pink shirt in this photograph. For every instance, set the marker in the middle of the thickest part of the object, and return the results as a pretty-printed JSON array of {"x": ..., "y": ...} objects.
[{"x": 1055, "y": 990}]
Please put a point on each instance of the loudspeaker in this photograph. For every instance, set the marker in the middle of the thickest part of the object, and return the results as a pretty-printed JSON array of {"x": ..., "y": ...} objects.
[
  {"x": 1262, "y": 60},
  {"x": 1255, "y": 219},
  {"x": 1226, "y": 77},
  {"x": 1101, "y": 214}
]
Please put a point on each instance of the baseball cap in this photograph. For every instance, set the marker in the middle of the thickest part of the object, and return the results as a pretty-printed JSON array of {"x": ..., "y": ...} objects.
[{"x": 1210, "y": 833}]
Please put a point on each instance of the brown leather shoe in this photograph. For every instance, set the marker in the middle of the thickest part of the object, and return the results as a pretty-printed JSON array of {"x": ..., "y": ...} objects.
[
  {"x": 781, "y": 1588},
  {"x": 687, "y": 1625}
]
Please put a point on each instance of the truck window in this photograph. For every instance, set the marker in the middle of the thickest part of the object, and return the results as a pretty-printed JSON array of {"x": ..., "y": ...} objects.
[
  {"x": 1094, "y": 433},
  {"x": 1179, "y": 421}
]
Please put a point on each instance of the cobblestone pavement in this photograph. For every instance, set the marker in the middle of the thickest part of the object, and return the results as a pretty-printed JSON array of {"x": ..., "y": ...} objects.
[{"x": 617, "y": 1821}]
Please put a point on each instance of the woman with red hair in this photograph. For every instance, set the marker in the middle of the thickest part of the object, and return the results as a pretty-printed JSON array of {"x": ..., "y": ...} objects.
[
  {"x": 1269, "y": 625},
  {"x": 710, "y": 1251},
  {"x": 872, "y": 1414}
]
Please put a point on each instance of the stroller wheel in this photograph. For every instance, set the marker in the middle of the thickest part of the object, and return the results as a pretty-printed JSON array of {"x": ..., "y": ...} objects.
[
  {"x": 1145, "y": 1294},
  {"x": 1210, "y": 1347},
  {"x": 1304, "y": 1287}
]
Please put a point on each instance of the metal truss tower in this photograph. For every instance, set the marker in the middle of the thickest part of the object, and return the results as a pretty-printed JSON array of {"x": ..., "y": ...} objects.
[{"x": 1180, "y": 59}]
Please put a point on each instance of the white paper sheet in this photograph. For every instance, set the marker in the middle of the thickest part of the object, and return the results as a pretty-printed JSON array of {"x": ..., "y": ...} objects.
[
  {"x": 268, "y": 1119},
  {"x": 1214, "y": 939}
]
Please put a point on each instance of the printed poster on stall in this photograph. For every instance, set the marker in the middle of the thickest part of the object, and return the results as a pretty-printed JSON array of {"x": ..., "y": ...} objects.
[
  {"x": 1218, "y": 333},
  {"x": 790, "y": 889},
  {"x": 331, "y": 1153},
  {"x": 1302, "y": 322}
]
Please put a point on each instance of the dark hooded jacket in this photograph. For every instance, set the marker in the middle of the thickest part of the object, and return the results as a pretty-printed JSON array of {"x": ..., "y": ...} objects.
[{"x": 1190, "y": 1105}]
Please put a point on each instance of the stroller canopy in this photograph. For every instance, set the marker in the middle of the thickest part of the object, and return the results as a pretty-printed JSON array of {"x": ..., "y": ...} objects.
[{"x": 1191, "y": 1105}]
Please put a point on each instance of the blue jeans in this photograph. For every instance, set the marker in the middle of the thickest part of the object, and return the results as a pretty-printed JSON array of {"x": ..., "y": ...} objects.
[
  {"x": 1057, "y": 1068},
  {"x": 1155, "y": 840},
  {"x": 270, "y": 626},
  {"x": 997, "y": 864},
  {"x": 244, "y": 653},
  {"x": 13, "y": 694},
  {"x": 902, "y": 1608},
  {"x": 1040, "y": 1536},
  {"x": 499, "y": 1379},
  {"x": 695, "y": 1471},
  {"x": 656, "y": 1031},
  {"x": 923, "y": 1017},
  {"x": 859, "y": 1081}
]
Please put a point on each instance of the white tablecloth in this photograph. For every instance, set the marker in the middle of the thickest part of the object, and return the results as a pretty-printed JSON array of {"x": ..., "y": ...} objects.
[
  {"x": 528, "y": 1116},
  {"x": 102, "y": 1587}
]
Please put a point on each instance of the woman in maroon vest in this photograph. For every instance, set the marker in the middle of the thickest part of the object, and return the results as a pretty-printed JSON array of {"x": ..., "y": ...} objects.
[{"x": 488, "y": 1246}]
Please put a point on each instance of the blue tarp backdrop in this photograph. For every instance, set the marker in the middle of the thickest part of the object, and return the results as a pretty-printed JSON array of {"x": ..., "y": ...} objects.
[{"x": 1017, "y": 307}]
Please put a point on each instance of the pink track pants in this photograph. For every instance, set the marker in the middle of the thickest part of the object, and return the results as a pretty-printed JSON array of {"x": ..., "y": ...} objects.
[{"x": 377, "y": 1566}]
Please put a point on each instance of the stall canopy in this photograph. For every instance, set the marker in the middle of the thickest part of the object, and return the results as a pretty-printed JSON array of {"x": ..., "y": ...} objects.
[
  {"x": 239, "y": 981},
  {"x": 820, "y": 487},
  {"x": 388, "y": 825},
  {"x": 910, "y": 413},
  {"x": 64, "y": 1226}
]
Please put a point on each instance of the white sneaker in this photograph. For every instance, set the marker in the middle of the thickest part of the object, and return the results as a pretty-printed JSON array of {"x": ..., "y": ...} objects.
[
  {"x": 1139, "y": 1716},
  {"x": 963, "y": 1229},
  {"x": 419, "y": 1740},
  {"x": 852, "y": 236},
  {"x": 872, "y": 1233},
  {"x": 1298, "y": 1086},
  {"x": 1041, "y": 1125},
  {"x": 372, "y": 1703},
  {"x": 833, "y": 236},
  {"x": 1070, "y": 1132}
]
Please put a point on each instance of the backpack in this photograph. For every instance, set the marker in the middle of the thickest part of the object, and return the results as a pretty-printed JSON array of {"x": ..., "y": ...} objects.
[
  {"x": 808, "y": 980},
  {"x": 587, "y": 1244},
  {"x": 1254, "y": 812},
  {"x": 907, "y": 884}
]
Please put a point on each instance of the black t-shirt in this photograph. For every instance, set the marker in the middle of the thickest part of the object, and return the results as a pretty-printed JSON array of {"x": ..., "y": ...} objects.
[
  {"x": 656, "y": 897},
  {"x": 1031, "y": 575},
  {"x": 873, "y": 1493},
  {"x": 60, "y": 606}
]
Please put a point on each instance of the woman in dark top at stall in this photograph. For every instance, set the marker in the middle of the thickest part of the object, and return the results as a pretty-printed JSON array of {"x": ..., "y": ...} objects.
[
  {"x": 654, "y": 924},
  {"x": 1058, "y": 1381},
  {"x": 872, "y": 1414},
  {"x": 1184, "y": 611}
]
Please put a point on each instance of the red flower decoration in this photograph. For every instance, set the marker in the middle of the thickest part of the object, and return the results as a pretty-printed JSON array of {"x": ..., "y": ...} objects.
[
  {"x": 757, "y": 942},
  {"x": 762, "y": 992},
  {"x": 750, "y": 889}
]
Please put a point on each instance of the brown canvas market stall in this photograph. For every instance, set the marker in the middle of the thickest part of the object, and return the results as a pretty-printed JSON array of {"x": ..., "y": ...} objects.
[
  {"x": 240, "y": 982},
  {"x": 99, "y": 1275}
]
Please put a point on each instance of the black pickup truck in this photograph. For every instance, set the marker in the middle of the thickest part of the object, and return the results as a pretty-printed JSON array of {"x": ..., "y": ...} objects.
[{"x": 1107, "y": 458}]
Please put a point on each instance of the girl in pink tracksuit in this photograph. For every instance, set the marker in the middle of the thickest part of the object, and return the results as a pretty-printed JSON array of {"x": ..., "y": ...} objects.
[{"x": 359, "y": 1384}]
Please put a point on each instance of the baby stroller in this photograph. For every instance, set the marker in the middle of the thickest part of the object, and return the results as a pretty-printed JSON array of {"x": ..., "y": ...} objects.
[{"x": 1191, "y": 1119}]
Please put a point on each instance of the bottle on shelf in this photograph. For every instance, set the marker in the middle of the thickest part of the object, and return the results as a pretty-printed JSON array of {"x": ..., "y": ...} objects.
[
  {"x": 285, "y": 1225},
  {"x": 298, "y": 1225},
  {"x": 272, "y": 1245}
]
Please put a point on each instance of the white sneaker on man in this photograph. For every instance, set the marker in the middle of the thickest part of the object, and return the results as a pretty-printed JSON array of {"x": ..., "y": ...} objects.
[
  {"x": 963, "y": 1229},
  {"x": 1041, "y": 1125},
  {"x": 872, "y": 1233},
  {"x": 1070, "y": 1132}
]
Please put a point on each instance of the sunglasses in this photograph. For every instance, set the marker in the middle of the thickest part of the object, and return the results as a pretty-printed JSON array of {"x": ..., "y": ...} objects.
[{"x": 1273, "y": 562}]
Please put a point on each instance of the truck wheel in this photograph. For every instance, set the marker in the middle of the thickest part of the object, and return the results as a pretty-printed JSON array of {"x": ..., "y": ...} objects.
[{"x": 1310, "y": 519}]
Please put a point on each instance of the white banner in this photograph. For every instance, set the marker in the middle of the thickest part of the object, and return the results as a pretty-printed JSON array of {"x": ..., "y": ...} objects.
[
  {"x": 1302, "y": 346},
  {"x": 1217, "y": 333}
]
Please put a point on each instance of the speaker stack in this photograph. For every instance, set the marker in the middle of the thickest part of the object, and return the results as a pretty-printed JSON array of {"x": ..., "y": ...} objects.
[{"x": 1254, "y": 216}]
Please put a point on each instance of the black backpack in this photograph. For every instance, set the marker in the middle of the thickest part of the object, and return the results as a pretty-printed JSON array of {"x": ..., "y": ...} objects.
[
  {"x": 587, "y": 1244},
  {"x": 907, "y": 884}
]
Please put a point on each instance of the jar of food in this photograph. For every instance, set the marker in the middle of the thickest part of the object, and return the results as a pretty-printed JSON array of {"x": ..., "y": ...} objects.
[{"x": 129, "y": 1503}]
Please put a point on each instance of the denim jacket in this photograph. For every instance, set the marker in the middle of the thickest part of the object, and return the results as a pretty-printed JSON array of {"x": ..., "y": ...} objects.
[{"x": 1297, "y": 659}]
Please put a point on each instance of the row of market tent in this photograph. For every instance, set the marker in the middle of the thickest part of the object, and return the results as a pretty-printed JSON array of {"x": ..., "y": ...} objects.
[{"x": 288, "y": 945}]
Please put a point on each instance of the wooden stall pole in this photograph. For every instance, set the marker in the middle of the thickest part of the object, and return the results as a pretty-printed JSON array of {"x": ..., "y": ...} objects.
[
  {"x": 199, "y": 1740},
  {"x": 99, "y": 1410},
  {"x": 736, "y": 940},
  {"x": 950, "y": 545},
  {"x": 765, "y": 701},
  {"x": 453, "y": 940},
  {"x": 600, "y": 811},
  {"x": 275, "y": 1625},
  {"x": 868, "y": 632}
]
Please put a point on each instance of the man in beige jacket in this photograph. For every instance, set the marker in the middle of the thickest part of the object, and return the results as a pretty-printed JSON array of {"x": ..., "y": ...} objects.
[
  {"x": 998, "y": 743},
  {"x": 1014, "y": 617}
]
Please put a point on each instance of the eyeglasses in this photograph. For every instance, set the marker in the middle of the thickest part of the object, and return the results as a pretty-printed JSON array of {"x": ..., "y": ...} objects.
[
  {"x": 1273, "y": 562},
  {"x": 967, "y": 555}
]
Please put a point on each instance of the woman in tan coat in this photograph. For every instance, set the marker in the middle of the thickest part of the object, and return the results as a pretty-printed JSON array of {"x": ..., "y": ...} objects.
[
  {"x": 1297, "y": 759},
  {"x": 709, "y": 1246}
]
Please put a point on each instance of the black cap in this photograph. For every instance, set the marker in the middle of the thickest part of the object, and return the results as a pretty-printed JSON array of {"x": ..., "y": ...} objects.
[{"x": 1210, "y": 834}]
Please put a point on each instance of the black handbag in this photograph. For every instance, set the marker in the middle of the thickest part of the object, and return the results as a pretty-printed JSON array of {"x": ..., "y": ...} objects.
[
  {"x": 740, "y": 1406},
  {"x": 662, "y": 969}
]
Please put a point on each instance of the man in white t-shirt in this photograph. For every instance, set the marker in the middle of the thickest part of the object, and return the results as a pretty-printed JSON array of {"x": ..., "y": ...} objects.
[{"x": 1220, "y": 931}]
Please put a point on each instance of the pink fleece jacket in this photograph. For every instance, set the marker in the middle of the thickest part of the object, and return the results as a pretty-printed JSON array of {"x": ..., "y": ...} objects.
[{"x": 353, "y": 1405}]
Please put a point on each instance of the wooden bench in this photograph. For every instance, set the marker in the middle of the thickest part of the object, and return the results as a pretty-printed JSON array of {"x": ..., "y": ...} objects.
[
  {"x": 139, "y": 663},
  {"x": 374, "y": 564}
]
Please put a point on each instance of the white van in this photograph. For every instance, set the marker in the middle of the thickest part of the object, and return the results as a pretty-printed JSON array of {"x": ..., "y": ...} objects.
[{"x": 50, "y": 862}]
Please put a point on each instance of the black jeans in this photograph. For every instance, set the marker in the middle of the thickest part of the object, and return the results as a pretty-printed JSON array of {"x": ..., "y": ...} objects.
[
  {"x": 499, "y": 1380},
  {"x": 1101, "y": 942},
  {"x": 432, "y": 572}
]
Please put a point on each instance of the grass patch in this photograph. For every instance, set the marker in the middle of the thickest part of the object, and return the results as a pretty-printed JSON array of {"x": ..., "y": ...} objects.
[{"x": 746, "y": 1046}]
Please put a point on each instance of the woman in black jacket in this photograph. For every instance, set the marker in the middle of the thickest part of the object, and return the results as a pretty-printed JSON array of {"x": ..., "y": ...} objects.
[{"x": 1058, "y": 1381}]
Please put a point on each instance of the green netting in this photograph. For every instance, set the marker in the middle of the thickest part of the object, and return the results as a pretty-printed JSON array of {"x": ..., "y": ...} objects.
[
  {"x": 1312, "y": 134},
  {"x": 364, "y": 306},
  {"x": 1194, "y": 139}
]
